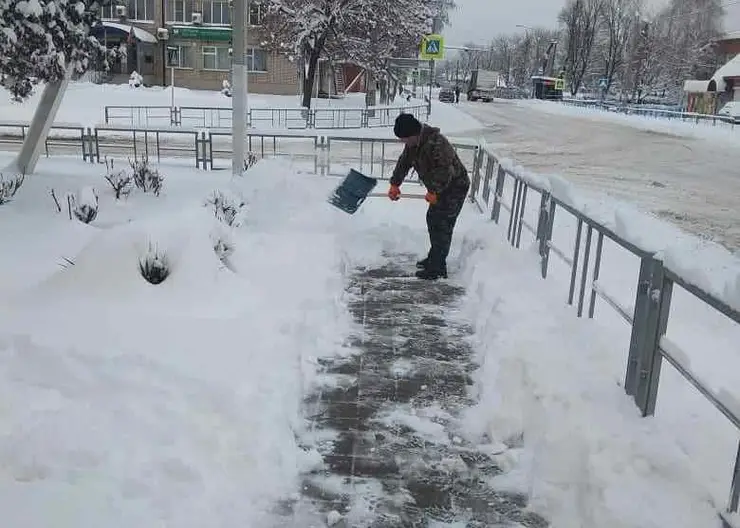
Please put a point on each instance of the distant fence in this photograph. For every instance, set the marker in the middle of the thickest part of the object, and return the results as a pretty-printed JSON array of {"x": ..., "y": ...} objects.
[
  {"x": 650, "y": 111},
  {"x": 648, "y": 344},
  {"x": 287, "y": 118},
  {"x": 212, "y": 149}
]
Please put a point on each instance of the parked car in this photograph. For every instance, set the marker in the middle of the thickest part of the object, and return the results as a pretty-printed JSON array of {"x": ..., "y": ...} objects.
[
  {"x": 447, "y": 95},
  {"x": 730, "y": 112}
]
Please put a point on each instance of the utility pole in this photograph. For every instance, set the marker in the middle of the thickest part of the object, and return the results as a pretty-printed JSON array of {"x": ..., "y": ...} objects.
[{"x": 239, "y": 79}]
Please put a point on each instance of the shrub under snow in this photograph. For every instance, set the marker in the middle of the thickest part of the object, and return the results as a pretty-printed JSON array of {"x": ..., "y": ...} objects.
[
  {"x": 146, "y": 178},
  {"x": 120, "y": 182},
  {"x": 227, "y": 207},
  {"x": 10, "y": 186},
  {"x": 154, "y": 265},
  {"x": 83, "y": 205}
]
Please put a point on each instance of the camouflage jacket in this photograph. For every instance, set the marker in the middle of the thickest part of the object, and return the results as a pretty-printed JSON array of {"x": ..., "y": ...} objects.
[{"x": 434, "y": 159}]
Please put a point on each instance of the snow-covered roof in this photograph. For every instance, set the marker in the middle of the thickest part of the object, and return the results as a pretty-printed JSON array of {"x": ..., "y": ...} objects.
[
  {"x": 139, "y": 34},
  {"x": 699, "y": 86},
  {"x": 731, "y": 69},
  {"x": 731, "y": 35}
]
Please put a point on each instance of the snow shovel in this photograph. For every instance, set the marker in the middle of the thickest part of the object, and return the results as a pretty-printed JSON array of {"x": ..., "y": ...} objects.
[{"x": 350, "y": 194}]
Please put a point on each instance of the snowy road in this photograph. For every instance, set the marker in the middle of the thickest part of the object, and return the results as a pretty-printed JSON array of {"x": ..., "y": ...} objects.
[{"x": 691, "y": 182}]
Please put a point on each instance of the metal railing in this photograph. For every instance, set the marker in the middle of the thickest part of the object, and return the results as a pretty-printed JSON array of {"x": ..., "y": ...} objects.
[
  {"x": 62, "y": 136},
  {"x": 286, "y": 118},
  {"x": 655, "y": 283},
  {"x": 212, "y": 149},
  {"x": 650, "y": 111}
]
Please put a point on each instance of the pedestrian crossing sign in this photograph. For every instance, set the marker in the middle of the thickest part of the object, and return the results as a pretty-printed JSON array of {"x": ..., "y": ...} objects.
[{"x": 433, "y": 47}]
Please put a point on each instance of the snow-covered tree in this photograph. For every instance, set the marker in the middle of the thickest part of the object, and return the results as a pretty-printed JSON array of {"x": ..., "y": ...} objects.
[
  {"x": 394, "y": 30},
  {"x": 40, "y": 39},
  {"x": 618, "y": 19},
  {"x": 366, "y": 32},
  {"x": 580, "y": 19}
]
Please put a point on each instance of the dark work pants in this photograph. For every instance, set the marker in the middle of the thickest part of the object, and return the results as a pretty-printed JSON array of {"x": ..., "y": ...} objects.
[{"x": 441, "y": 219}]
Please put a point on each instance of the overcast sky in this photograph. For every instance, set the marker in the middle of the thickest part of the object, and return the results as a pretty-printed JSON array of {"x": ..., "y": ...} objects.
[{"x": 479, "y": 21}]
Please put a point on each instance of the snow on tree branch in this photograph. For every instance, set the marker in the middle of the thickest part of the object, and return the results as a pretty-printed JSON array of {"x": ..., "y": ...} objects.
[
  {"x": 365, "y": 32},
  {"x": 40, "y": 38}
]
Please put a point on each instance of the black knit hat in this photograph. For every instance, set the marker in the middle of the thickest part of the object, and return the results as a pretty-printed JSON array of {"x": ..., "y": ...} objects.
[{"x": 406, "y": 126}]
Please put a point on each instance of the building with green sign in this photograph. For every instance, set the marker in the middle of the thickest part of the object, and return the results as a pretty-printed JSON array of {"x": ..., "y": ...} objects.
[{"x": 196, "y": 45}]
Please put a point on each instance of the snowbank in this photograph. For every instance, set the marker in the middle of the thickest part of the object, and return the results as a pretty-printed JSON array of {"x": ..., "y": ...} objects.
[
  {"x": 549, "y": 389},
  {"x": 701, "y": 130},
  {"x": 177, "y": 403},
  {"x": 700, "y": 262}
]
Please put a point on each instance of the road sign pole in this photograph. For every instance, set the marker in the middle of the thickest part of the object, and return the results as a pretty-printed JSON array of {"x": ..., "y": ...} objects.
[{"x": 431, "y": 81}]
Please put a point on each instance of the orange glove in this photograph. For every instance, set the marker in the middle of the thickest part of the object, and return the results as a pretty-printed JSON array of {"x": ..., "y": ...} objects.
[
  {"x": 431, "y": 198},
  {"x": 394, "y": 193}
]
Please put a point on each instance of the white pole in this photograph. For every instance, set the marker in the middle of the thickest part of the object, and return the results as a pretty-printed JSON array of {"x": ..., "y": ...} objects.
[
  {"x": 239, "y": 77},
  {"x": 172, "y": 80}
]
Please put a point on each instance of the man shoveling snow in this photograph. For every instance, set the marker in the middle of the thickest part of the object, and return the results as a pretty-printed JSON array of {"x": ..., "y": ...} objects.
[{"x": 447, "y": 183}]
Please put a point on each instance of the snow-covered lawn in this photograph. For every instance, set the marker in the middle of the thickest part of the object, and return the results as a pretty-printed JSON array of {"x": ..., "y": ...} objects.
[
  {"x": 127, "y": 404},
  {"x": 84, "y": 103}
]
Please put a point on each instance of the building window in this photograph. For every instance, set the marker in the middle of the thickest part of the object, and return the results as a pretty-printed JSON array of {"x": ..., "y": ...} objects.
[
  {"x": 216, "y": 58},
  {"x": 180, "y": 11},
  {"x": 140, "y": 9},
  {"x": 136, "y": 10},
  {"x": 256, "y": 60},
  {"x": 180, "y": 56},
  {"x": 107, "y": 12},
  {"x": 216, "y": 12},
  {"x": 256, "y": 13}
]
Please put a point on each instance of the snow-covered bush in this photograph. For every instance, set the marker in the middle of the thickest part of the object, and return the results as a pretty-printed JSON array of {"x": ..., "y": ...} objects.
[
  {"x": 120, "y": 182},
  {"x": 10, "y": 186},
  {"x": 251, "y": 161},
  {"x": 227, "y": 207},
  {"x": 83, "y": 205},
  {"x": 37, "y": 37},
  {"x": 226, "y": 88},
  {"x": 223, "y": 245},
  {"x": 146, "y": 178},
  {"x": 135, "y": 80},
  {"x": 154, "y": 265}
]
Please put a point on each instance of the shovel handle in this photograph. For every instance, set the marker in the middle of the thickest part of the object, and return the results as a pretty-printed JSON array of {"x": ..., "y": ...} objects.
[{"x": 383, "y": 195}]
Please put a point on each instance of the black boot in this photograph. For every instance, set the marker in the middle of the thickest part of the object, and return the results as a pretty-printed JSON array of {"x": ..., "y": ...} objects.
[
  {"x": 422, "y": 264},
  {"x": 432, "y": 273}
]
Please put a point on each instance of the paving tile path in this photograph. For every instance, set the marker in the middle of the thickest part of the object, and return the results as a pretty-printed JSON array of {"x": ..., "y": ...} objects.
[{"x": 385, "y": 422}]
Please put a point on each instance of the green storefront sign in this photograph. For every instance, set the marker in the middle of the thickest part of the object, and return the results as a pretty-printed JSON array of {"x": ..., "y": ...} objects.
[{"x": 202, "y": 33}]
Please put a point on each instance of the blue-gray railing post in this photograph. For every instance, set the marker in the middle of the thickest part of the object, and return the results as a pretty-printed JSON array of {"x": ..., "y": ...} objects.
[
  {"x": 655, "y": 326},
  {"x": 543, "y": 228},
  {"x": 497, "y": 192},
  {"x": 734, "y": 503},
  {"x": 475, "y": 180},
  {"x": 490, "y": 163},
  {"x": 645, "y": 314}
]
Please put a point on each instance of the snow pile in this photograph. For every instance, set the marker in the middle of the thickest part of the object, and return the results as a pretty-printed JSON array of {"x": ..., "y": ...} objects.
[
  {"x": 549, "y": 389},
  {"x": 177, "y": 402},
  {"x": 718, "y": 131},
  {"x": 702, "y": 263}
]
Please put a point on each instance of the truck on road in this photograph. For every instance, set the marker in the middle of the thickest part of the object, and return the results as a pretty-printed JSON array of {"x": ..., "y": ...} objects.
[{"x": 484, "y": 84}]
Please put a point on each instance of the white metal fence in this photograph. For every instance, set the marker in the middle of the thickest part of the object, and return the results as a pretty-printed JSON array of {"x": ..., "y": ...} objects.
[{"x": 282, "y": 118}]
